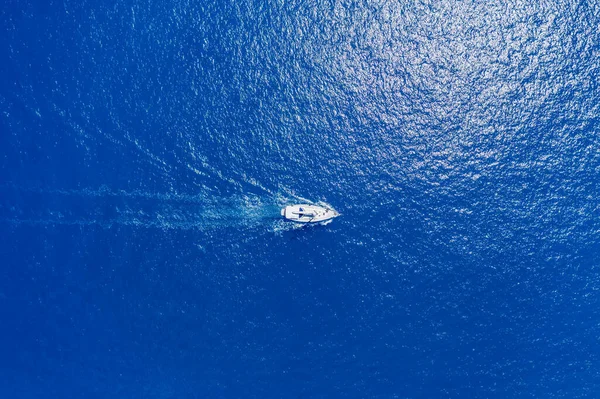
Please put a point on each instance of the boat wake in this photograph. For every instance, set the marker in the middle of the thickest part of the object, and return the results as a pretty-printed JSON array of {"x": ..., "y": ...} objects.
[{"x": 106, "y": 208}]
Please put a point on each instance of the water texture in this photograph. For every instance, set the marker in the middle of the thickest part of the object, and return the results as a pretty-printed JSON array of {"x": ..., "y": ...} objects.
[{"x": 146, "y": 149}]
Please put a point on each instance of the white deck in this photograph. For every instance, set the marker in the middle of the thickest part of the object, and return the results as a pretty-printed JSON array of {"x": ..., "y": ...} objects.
[{"x": 306, "y": 213}]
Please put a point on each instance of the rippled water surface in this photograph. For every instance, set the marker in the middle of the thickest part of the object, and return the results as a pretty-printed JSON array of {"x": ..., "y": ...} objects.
[{"x": 147, "y": 147}]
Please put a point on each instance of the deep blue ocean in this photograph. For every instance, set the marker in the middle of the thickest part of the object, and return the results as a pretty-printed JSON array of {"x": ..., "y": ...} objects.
[{"x": 146, "y": 148}]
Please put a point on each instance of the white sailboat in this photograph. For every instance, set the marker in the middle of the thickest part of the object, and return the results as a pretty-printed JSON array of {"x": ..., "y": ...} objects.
[{"x": 306, "y": 213}]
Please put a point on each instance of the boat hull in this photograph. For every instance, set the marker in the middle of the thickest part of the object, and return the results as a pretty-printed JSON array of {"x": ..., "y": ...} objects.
[{"x": 306, "y": 213}]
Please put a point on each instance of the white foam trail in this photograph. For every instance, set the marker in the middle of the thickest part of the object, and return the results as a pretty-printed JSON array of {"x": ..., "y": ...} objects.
[{"x": 107, "y": 208}]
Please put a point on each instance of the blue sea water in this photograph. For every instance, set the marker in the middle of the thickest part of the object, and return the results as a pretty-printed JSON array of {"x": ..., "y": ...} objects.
[{"x": 147, "y": 147}]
